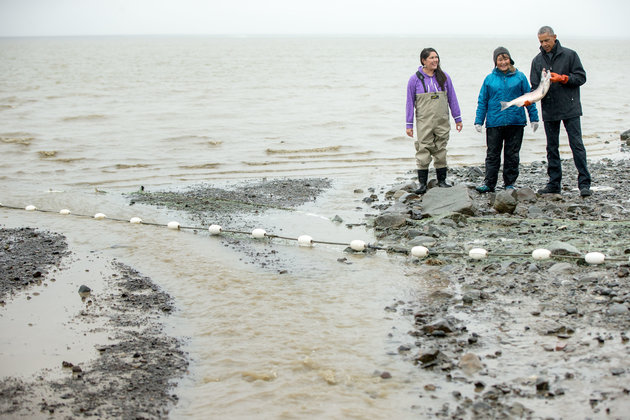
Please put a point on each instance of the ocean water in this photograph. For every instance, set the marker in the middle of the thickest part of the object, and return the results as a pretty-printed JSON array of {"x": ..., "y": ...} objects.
[{"x": 85, "y": 120}]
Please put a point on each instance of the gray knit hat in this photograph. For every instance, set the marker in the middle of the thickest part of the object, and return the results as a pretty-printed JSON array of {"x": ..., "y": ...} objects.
[{"x": 498, "y": 52}]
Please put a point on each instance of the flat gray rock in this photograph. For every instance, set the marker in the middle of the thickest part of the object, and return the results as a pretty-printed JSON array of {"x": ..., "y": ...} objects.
[{"x": 447, "y": 200}]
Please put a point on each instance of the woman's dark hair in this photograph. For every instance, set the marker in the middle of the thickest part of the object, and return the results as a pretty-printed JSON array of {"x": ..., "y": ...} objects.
[{"x": 439, "y": 74}]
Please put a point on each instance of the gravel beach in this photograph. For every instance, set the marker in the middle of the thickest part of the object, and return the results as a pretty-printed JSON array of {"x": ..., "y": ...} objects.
[{"x": 506, "y": 336}]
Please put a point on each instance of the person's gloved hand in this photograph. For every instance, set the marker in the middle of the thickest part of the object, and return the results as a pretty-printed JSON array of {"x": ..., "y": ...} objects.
[
  {"x": 478, "y": 128},
  {"x": 534, "y": 126},
  {"x": 562, "y": 78},
  {"x": 527, "y": 103}
]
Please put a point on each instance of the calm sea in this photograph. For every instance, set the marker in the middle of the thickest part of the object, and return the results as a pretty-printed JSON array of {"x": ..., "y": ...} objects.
[{"x": 83, "y": 120}]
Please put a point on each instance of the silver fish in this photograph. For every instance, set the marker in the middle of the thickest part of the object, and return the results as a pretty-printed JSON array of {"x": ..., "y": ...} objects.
[{"x": 535, "y": 96}]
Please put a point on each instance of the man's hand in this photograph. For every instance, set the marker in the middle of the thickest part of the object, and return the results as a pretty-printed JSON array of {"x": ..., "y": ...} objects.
[
  {"x": 562, "y": 78},
  {"x": 459, "y": 126},
  {"x": 527, "y": 103},
  {"x": 410, "y": 132},
  {"x": 478, "y": 128},
  {"x": 534, "y": 126}
]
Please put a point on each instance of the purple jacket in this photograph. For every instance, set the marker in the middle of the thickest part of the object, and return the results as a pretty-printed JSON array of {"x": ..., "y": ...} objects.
[{"x": 415, "y": 86}]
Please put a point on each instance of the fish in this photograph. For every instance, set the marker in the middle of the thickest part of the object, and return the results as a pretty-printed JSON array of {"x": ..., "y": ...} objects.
[{"x": 535, "y": 96}]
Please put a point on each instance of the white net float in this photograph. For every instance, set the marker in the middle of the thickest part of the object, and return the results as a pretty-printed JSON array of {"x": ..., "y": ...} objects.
[
  {"x": 541, "y": 254},
  {"x": 258, "y": 233},
  {"x": 305, "y": 240},
  {"x": 173, "y": 225},
  {"x": 357, "y": 245},
  {"x": 215, "y": 229},
  {"x": 419, "y": 251},
  {"x": 477, "y": 253},
  {"x": 594, "y": 258},
  {"x": 65, "y": 212},
  {"x": 30, "y": 207},
  {"x": 99, "y": 216},
  {"x": 135, "y": 220}
]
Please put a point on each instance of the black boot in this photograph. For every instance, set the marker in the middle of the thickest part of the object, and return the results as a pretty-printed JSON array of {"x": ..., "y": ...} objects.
[
  {"x": 441, "y": 177},
  {"x": 423, "y": 175}
]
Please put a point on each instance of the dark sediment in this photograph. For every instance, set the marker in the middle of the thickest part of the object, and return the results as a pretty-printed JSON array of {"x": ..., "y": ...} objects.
[
  {"x": 132, "y": 378},
  {"x": 26, "y": 255}
]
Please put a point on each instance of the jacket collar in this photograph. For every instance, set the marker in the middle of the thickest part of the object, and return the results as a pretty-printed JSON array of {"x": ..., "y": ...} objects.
[
  {"x": 557, "y": 49},
  {"x": 500, "y": 73}
]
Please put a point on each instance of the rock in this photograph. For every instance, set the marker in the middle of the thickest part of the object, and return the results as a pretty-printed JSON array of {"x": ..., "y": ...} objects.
[
  {"x": 504, "y": 202},
  {"x": 390, "y": 220},
  {"x": 562, "y": 248},
  {"x": 471, "y": 295},
  {"x": 470, "y": 363},
  {"x": 440, "y": 294},
  {"x": 526, "y": 195},
  {"x": 617, "y": 371},
  {"x": 475, "y": 172},
  {"x": 84, "y": 291},
  {"x": 617, "y": 309},
  {"x": 407, "y": 186},
  {"x": 422, "y": 240},
  {"x": 439, "y": 325},
  {"x": 428, "y": 356},
  {"x": 434, "y": 231},
  {"x": 399, "y": 194},
  {"x": 625, "y": 136},
  {"x": 481, "y": 407},
  {"x": 535, "y": 212},
  {"x": 517, "y": 410},
  {"x": 542, "y": 384},
  {"x": 593, "y": 277},
  {"x": 571, "y": 310},
  {"x": 561, "y": 267},
  {"x": 438, "y": 201}
]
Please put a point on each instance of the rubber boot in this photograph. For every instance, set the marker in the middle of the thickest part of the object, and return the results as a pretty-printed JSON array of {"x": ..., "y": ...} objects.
[
  {"x": 441, "y": 177},
  {"x": 423, "y": 175}
]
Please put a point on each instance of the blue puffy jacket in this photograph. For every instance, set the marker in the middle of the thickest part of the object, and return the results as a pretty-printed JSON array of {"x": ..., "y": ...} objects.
[{"x": 497, "y": 87}]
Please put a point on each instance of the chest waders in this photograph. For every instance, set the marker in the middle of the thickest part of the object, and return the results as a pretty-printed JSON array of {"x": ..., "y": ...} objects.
[{"x": 432, "y": 129}]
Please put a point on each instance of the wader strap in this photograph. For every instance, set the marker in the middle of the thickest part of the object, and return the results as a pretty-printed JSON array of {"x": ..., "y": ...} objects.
[{"x": 421, "y": 77}]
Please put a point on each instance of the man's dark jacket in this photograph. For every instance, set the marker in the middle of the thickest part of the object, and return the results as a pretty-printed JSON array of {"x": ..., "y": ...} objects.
[{"x": 563, "y": 100}]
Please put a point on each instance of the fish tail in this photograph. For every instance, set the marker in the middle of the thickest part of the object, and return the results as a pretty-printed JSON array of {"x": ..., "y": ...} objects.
[{"x": 504, "y": 105}]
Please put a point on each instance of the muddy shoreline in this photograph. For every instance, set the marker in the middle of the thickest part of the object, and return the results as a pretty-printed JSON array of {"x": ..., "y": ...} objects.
[
  {"x": 502, "y": 337},
  {"x": 135, "y": 373}
]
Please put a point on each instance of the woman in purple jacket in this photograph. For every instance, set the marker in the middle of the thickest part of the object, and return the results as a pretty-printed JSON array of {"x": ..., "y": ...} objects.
[{"x": 430, "y": 91}]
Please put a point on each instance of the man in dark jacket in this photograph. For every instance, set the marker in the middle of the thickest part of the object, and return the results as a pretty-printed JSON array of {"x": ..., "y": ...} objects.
[{"x": 562, "y": 103}]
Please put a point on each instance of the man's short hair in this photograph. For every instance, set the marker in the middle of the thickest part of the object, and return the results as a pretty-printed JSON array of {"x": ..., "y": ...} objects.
[{"x": 545, "y": 30}]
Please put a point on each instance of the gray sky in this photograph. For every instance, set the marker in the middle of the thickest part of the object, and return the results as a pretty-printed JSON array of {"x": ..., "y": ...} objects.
[{"x": 574, "y": 18}]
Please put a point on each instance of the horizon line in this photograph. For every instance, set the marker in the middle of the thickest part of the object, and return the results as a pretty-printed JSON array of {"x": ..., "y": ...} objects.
[{"x": 305, "y": 35}]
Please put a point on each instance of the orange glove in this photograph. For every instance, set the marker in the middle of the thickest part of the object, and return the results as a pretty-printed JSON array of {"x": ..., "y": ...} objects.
[
  {"x": 562, "y": 78},
  {"x": 527, "y": 103}
]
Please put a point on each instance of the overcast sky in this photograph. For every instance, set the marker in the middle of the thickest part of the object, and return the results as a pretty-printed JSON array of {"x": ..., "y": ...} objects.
[{"x": 569, "y": 18}]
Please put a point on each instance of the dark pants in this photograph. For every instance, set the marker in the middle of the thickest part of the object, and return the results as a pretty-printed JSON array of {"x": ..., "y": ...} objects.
[
  {"x": 554, "y": 164},
  {"x": 509, "y": 138}
]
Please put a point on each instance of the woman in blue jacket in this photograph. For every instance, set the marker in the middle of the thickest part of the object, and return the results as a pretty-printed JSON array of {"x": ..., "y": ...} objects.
[{"x": 504, "y": 129}]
